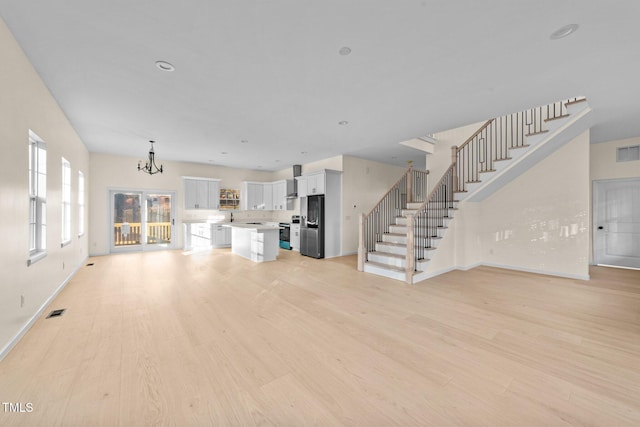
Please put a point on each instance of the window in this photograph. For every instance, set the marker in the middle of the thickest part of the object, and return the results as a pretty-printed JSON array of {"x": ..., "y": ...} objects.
[
  {"x": 80, "y": 203},
  {"x": 66, "y": 202},
  {"x": 37, "y": 198}
]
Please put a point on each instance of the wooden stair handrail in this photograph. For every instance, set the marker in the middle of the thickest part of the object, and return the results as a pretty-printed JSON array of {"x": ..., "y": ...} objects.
[
  {"x": 483, "y": 127},
  {"x": 390, "y": 190},
  {"x": 435, "y": 188}
]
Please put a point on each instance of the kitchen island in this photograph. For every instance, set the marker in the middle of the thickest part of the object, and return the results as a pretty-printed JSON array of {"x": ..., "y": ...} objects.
[{"x": 257, "y": 242}]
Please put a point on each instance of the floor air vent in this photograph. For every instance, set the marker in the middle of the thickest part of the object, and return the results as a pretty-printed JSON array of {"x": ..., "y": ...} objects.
[
  {"x": 56, "y": 313},
  {"x": 90, "y": 264}
]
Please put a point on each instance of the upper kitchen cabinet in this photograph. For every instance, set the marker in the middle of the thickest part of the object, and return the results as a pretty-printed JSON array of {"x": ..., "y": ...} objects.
[
  {"x": 252, "y": 196},
  {"x": 280, "y": 191},
  {"x": 201, "y": 193},
  {"x": 311, "y": 184},
  {"x": 268, "y": 196}
]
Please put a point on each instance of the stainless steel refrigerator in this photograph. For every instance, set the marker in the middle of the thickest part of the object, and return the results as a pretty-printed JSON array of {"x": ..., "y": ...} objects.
[{"x": 312, "y": 226}]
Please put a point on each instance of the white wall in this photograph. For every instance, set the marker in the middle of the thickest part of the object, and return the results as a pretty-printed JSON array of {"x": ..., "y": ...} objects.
[
  {"x": 25, "y": 103},
  {"x": 117, "y": 172},
  {"x": 603, "y": 161},
  {"x": 539, "y": 222},
  {"x": 364, "y": 182}
]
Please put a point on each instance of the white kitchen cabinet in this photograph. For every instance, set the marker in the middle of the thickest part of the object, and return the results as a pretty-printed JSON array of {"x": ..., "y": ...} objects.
[
  {"x": 267, "y": 196},
  {"x": 294, "y": 237},
  {"x": 221, "y": 236},
  {"x": 280, "y": 201},
  {"x": 201, "y": 193},
  {"x": 252, "y": 196},
  {"x": 316, "y": 184},
  {"x": 302, "y": 186}
]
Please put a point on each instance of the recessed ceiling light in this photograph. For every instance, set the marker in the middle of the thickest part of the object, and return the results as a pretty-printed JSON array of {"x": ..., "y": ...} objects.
[
  {"x": 344, "y": 51},
  {"x": 165, "y": 66},
  {"x": 343, "y": 123},
  {"x": 564, "y": 31}
]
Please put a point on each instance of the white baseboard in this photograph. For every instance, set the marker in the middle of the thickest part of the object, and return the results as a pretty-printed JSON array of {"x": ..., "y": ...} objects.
[
  {"x": 430, "y": 274},
  {"x": 536, "y": 271},
  {"x": 7, "y": 348}
]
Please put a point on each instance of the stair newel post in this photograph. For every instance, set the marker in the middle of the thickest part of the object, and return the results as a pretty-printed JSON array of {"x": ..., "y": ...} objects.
[
  {"x": 410, "y": 183},
  {"x": 454, "y": 161},
  {"x": 411, "y": 261},
  {"x": 362, "y": 250}
]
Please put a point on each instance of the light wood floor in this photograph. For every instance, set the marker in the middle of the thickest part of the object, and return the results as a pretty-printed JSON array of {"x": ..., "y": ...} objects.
[{"x": 210, "y": 338}]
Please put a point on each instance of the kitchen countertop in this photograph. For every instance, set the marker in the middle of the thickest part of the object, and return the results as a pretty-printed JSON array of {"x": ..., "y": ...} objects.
[{"x": 250, "y": 226}]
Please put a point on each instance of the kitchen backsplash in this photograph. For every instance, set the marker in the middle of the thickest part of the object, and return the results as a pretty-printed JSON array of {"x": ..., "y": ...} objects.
[{"x": 239, "y": 216}]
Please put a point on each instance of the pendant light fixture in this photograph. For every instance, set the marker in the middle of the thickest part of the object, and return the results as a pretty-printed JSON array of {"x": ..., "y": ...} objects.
[{"x": 150, "y": 167}]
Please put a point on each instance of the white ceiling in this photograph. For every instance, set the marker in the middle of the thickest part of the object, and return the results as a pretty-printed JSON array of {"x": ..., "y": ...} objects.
[{"x": 270, "y": 72}]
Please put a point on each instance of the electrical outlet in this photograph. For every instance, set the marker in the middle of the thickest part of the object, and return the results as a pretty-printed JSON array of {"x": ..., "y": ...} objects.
[
  {"x": 63, "y": 265},
  {"x": 21, "y": 301}
]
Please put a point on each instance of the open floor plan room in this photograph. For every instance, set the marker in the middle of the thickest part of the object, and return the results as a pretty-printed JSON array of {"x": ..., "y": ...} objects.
[{"x": 209, "y": 338}]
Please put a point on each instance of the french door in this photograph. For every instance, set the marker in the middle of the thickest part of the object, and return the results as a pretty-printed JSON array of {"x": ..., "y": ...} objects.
[
  {"x": 141, "y": 220},
  {"x": 616, "y": 222}
]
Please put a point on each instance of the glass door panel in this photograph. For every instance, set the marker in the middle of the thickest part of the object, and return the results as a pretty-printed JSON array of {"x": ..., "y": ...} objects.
[
  {"x": 158, "y": 219},
  {"x": 127, "y": 224}
]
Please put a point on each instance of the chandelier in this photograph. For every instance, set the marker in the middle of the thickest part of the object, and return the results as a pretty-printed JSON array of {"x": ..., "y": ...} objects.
[{"x": 150, "y": 167}]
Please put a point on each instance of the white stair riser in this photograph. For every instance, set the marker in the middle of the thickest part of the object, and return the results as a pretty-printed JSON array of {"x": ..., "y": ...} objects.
[
  {"x": 399, "y": 250},
  {"x": 383, "y": 258},
  {"x": 421, "y": 231},
  {"x": 394, "y": 239},
  {"x": 384, "y": 272},
  {"x": 403, "y": 220},
  {"x": 405, "y": 212}
]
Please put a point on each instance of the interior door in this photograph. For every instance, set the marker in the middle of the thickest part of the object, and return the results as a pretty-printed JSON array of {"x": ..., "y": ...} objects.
[
  {"x": 141, "y": 220},
  {"x": 617, "y": 223}
]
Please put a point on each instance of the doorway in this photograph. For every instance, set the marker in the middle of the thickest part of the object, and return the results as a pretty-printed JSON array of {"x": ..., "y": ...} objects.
[
  {"x": 616, "y": 222},
  {"x": 141, "y": 220}
]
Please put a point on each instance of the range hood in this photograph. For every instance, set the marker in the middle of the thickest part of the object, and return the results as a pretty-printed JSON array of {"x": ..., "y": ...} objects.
[{"x": 292, "y": 193}]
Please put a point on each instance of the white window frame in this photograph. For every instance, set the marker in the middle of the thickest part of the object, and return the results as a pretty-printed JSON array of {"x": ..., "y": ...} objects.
[
  {"x": 66, "y": 203},
  {"x": 81, "y": 204},
  {"x": 37, "y": 198}
]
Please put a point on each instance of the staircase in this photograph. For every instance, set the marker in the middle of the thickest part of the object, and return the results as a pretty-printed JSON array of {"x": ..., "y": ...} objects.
[{"x": 402, "y": 232}]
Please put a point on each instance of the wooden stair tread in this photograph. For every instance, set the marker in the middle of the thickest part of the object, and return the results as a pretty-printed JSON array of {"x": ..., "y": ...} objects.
[
  {"x": 564, "y": 116},
  {"x": 537, "y": 133},
  {"x": 576, "y": 101}
]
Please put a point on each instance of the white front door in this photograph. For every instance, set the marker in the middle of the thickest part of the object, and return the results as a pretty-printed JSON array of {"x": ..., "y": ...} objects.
[{"x": 616, "y": 222}]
